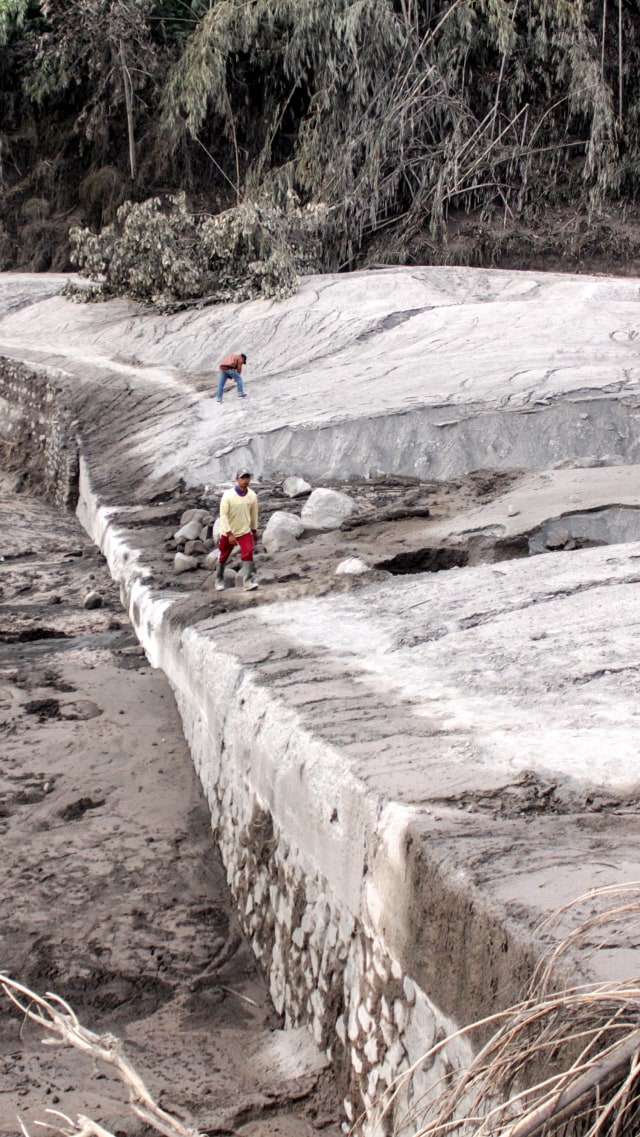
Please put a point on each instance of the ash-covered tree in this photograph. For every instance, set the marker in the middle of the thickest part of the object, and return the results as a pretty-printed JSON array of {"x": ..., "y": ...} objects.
[
  {"x": 160, "y": 252},
  {"x": 393, "y": 112},
  {"x": 396, "y": 117},
  {"x": 12, "y": 17},
  {"x": 98, "y": 57}
]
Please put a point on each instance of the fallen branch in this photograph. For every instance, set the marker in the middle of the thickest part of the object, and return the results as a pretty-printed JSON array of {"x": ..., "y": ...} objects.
[
  {"x": 569, "y": 1104},
  {"x": 55, "y": 1015}
]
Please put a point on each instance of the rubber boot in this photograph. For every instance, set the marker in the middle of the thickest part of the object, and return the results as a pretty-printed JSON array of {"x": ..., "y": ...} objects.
[
  {"x": 220, "y": 576},
  {"x": 247, "y": 576}
]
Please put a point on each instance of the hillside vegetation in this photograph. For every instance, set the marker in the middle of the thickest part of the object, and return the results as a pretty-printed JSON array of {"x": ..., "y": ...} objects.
[{"x": 269, "y": 137}]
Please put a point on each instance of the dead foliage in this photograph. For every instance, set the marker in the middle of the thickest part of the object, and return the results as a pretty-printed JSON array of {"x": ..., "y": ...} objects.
[{"x": 563, "y": 1060}]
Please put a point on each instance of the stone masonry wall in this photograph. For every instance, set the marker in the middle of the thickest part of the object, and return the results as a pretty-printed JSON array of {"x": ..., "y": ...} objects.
[
  {"x": 37, "y": 436},
  {"x": 328, "y": 970},
  {"x": 327, "y": 965},
  {"x": 307, "y": 896}
]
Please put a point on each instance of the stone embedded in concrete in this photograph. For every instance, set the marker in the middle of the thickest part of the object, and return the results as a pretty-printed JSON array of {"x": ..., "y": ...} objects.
[
  {"x": 409, "y": 989},
  {"x": 400, "y": 1014}
]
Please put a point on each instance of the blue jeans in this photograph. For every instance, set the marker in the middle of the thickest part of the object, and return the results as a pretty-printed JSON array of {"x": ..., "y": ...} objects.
[{"x": 229, "y": 373}]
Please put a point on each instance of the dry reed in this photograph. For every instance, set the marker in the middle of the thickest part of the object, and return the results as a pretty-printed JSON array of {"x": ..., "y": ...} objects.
[{"x": 563, "y": 1060}]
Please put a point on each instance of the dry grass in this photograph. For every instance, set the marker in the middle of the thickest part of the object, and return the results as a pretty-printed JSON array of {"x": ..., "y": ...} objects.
[{"x": 559, "y": 1062}]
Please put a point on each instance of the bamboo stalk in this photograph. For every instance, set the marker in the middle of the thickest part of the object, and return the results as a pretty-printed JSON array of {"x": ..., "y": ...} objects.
[
  {"x": 620, "y": 62},
  {"x": 604, "y": 36},
  {"x": 128, "y": 98}
]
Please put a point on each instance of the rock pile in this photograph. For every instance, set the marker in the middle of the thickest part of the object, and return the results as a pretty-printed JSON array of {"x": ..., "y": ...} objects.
[
  {"x": 194, "y": 544},
  {"x": 322, "y": 511}
]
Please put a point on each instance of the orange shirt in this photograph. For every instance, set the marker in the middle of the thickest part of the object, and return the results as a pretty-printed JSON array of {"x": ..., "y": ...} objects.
[{"x": 234, "y": 361}]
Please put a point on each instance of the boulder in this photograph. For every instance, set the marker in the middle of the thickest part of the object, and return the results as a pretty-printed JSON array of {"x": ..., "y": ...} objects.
[
  {"x": 282, "y": 531},
  {"x": 352, "y": 566},
  {"x": 557, "y": 539},
  {"x": 295, "y": 487},
  {"x": 327, "y": 509},
  {"x": 92, "y": 600},
  {"x": 200, "y": 515},
  {"x": 189, "y": 532},
  {"x": 182, "y": 563}
]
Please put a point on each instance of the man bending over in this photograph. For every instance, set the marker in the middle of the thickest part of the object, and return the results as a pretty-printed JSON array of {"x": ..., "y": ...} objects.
[{"x": 231, "y": 368}]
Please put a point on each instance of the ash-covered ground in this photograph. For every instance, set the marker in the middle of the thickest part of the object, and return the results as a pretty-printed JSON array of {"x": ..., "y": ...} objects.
[
  {"x": 388, "y": 532},
  {"x": 113, "y": 895}
]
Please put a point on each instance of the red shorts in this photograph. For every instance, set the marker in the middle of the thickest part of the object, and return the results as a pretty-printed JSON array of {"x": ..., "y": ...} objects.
[{"x": 245, "y": 544}]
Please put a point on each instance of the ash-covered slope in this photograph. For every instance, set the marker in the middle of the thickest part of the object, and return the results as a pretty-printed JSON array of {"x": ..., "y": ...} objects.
[
  {"x": 406, "y": 778},
  {"x": 428, "y": 372}
]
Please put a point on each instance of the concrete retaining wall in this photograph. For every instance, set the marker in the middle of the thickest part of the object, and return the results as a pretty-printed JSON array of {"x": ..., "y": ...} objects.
[
  {"x": 444, "y": 442},
  {"x": 313, "y": 896}
]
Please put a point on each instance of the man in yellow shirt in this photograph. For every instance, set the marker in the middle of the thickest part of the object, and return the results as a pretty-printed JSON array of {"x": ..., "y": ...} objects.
[{"x": 238, "y": 526}]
